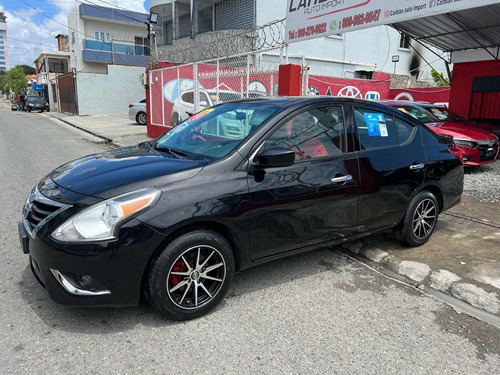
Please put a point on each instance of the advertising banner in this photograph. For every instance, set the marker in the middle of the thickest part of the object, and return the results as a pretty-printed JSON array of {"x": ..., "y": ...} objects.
[{"x": 308, "y": 19}]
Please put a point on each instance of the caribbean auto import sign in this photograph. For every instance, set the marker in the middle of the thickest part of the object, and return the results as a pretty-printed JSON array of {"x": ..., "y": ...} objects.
[{"x": 307, "y": 19}]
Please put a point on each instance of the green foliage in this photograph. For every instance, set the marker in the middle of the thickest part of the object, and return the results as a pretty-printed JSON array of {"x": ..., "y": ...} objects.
[
  {"x": 28, "y": 70},
  {"x": 3, "y": 84},
  {"x": 16, "y": 80},
  {"x": 439, "y": 78}
]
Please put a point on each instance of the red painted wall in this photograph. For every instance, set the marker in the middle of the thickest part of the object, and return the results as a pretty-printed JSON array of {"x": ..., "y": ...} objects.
[{"x": 461, "y": 86}]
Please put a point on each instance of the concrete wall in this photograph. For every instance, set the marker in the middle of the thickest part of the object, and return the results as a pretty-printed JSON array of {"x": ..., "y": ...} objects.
[{"x": 109, "y": 94}]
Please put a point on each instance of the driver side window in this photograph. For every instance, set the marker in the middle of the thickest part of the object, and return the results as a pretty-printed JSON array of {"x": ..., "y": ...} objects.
[{"x": 314, "y": 133}]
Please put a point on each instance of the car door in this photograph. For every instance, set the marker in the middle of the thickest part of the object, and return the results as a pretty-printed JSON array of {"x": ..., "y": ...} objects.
[
  {"x": 392, "y": 165},
  {"x": 314, "y": 200}
]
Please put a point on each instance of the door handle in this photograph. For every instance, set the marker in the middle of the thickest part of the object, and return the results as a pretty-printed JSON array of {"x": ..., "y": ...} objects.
[
  {"x": 342, "y": 179},
  {"x": 416, "y": 167}
]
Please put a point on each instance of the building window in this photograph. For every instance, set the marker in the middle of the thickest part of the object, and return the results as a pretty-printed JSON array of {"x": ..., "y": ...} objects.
[
  {"x": 141, "y": 46},
  {"x": 73, "y": 37},
  {"x": 404, "y": 42},
  {"x": 102, "y": 36}
]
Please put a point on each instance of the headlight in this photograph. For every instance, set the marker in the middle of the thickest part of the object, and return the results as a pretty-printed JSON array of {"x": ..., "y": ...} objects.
[
  {"x": 99, "y": 221},
  {"x": 465, "y": 143}
]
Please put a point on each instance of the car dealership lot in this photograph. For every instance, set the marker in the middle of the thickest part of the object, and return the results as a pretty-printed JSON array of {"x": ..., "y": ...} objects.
[{"x": 312, "y": 313}]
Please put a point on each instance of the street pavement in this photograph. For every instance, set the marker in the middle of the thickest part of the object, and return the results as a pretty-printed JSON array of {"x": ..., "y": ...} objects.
[
  {"x": 321, "y": 312},
  {"x": 461, "y": 259}
]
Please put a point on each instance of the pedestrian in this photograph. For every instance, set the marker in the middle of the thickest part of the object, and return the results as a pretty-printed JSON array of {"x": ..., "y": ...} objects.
[{"x": 22, "y": 98}]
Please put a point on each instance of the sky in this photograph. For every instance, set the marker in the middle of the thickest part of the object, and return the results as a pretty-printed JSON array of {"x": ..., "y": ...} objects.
[{"x": 29, "y": 31}]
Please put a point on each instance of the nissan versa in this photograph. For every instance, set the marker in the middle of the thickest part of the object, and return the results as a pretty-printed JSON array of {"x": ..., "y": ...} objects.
[{"x": 235, "y": 185}]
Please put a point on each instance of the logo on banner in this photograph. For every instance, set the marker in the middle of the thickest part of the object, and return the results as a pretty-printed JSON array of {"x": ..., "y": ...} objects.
[
  {"x": 372, "y": 95},
  {"x": 350, "y": 92},
  {"x": 333, "y": 25},
  {"x": 432, "y": 3}
]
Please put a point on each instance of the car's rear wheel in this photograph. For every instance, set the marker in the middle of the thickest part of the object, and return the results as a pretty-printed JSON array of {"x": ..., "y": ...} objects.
[
  {"x": 141, "y": 118},
  {"x": 419, "y": 221},
  {"x": 191, "y": 275}
]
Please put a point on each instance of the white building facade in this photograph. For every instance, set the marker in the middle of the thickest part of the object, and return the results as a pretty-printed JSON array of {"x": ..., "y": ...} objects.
[{"x": 107, "y": 45}]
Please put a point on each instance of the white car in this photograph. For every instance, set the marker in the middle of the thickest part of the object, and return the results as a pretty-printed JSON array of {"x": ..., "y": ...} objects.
[
  {"x": 137, "y": 111},
  {"x": 183, "y": 106}
]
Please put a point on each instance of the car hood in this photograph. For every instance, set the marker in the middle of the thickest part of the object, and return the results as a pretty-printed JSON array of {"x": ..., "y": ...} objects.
[
  {"x": 123, "y": 170},
  {"x": 460, "y": 130}
]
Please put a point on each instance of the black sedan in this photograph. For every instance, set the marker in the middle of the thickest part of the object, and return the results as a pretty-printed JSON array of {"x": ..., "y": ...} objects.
[
  {"x": 36, "y": 103},
  {"x": 235, "y": 185}
]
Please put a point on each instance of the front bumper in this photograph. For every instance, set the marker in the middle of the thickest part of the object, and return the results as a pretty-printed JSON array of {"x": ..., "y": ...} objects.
[
  {"x": 93, "y": 274},
  {"x": 473, "y": 156}
]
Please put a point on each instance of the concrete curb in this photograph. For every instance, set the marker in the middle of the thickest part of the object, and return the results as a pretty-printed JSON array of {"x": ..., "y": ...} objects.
[
  {"x": 106, "y": 141},
  {"x": 421, "y": 275}
]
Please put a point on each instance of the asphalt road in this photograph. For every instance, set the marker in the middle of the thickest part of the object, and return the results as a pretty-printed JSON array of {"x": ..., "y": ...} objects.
[{"x": 317, "y": 313}]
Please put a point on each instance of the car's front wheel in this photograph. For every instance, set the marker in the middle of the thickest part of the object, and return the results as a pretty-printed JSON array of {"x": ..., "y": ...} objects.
[
  {"x": 141, "y": 118},
  {"x": 191, "y": 275},
  {"x": 419, "y": 221}
]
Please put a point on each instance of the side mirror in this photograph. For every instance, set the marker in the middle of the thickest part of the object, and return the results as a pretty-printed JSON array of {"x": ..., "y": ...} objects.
[{"x": 276, "y": 156}]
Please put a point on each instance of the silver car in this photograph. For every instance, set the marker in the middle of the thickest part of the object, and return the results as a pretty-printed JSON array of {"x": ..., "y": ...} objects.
[{"x": 137, "y": 111}]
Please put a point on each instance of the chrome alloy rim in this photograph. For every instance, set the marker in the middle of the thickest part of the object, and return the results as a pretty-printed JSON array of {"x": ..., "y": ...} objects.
[
  {"x": 196, "y": 277},
  {"x": 424, "y": 218}
]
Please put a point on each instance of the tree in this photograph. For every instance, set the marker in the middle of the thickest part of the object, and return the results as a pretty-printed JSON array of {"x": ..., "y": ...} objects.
[
  {"x": 439, "y": 78},
  {"x": 16, "y": 80},
  {"x": 3, "y": 84},
  {"x": 28, "y": 70}
]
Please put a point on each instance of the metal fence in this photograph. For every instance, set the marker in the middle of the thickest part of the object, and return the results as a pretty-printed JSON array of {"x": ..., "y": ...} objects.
[{"x": 179, "y": 91}]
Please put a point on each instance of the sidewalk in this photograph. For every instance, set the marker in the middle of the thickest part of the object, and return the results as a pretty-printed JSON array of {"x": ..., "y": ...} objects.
[
  {"x": 462, "y": 258},
  {"x": 118, "y": 130}
]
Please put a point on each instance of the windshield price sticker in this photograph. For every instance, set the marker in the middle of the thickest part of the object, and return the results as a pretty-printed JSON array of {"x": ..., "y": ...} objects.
[
  {"x": 201, "y": 114},
  {"x": 376, "y": 125}
]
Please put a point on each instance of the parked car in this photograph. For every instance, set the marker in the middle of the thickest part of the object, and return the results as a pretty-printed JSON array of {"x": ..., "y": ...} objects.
[
  {"x": 36, "y": 103},
  {"x": 445, "y": 114},
  {"x": 479, "y": 146},
  {"x": 236, "y": 185},
  {"x": 183, "y": 106},
  {"x": 137, "y": 111}
]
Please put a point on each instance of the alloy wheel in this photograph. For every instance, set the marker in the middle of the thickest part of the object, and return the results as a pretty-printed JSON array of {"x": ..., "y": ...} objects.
[
  {"x": 424, "y": 218},
  {"x": 196, "y": 277}
]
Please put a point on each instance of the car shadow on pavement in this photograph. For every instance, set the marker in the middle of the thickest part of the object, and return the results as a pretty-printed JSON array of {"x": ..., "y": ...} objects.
[{"x": 93, "y": 320}]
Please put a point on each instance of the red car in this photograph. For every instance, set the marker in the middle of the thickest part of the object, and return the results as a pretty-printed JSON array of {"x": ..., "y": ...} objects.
[
  {"x": 479, "y": 146},
  {"x": 444, "y": 114}
]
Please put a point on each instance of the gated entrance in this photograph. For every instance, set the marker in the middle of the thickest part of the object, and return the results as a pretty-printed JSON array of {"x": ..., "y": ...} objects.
[{"x": 67, "y": 93}]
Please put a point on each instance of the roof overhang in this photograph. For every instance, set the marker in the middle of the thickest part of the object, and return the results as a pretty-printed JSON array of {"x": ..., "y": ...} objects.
[{"x": 459, "y": 32}]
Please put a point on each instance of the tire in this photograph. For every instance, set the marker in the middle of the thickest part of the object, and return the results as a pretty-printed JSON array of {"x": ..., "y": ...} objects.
[
  {"x": 29, "y": 110},
  {"x": 419, "y": 221},
  {"x": 191, "y": 275},
  {"x": 141, "y": 118},
  {"x": 175, "y": 119}
]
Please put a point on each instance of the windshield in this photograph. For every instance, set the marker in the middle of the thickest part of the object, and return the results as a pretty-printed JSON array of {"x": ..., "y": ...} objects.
[
  {"x": 445, "y": 114},
  {"x": 35, "y": 99},
  {"x": 215, "y": 132},
  {"x": 419, "y": 113},
  {"x": 223, "y": 96}
]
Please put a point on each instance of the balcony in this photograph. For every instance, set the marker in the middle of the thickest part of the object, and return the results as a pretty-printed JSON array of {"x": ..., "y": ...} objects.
[{"x": 114, "y": 53}]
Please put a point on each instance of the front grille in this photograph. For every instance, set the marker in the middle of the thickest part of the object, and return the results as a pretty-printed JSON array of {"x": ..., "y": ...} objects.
[
  {"x": 38, "y": 209},
  {"x": 487, "y": 149},
  {"x": 487, "y": 153}
]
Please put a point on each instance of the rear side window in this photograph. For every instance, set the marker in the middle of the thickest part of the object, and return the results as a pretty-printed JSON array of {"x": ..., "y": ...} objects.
[
  {"x": 375, "y": 129},
  {"x": 314, "y": 133},
  {"x": 404, "y": 130}
]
